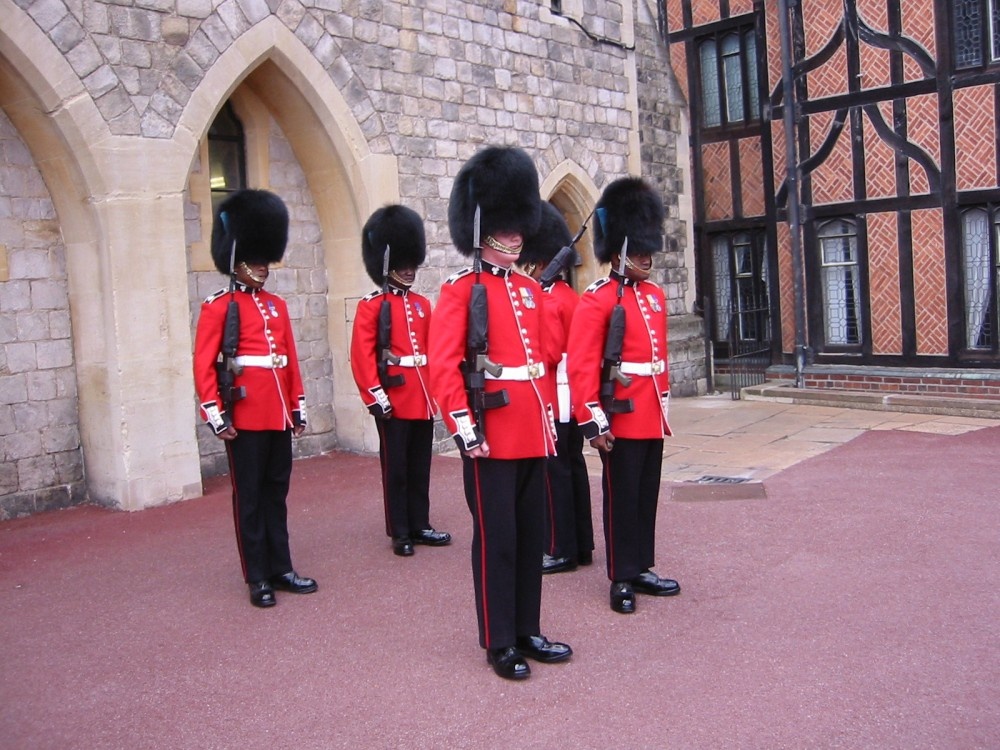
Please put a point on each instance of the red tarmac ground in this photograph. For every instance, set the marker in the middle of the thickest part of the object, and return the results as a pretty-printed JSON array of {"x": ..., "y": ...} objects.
[{"x": 850, "y": 602}]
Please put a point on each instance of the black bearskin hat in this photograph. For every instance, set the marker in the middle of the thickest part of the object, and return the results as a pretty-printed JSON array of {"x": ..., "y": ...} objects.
[
  {"x": 552, "y": 236},
  {"x": 258, "y": 221},
  {"x": 628, "y": 207},
  {"x": 400, "y": 228},
  {"x": 503, "y": 182}
]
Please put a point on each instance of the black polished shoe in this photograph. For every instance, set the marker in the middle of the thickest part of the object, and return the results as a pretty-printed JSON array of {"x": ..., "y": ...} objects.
[
  {"x": 432, "y": 538},
  {"x": 540, "y": 648},
  {"x": 508, "y": 663},
  {"x": 261, "y": 594},
  {"x": 556, "y": 564},
  {"x": 647, "y": 582},
  {"x": 622, "y": 598},
  {"x": 585, "y": 558},
  {"x": 402, "y": 547},
  {"x": 293, "y": 583}
]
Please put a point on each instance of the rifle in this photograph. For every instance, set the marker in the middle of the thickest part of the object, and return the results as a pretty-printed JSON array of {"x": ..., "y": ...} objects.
[
  {"x": 227, "y": 369},
  {"x": 562, "y": 259},
  {"x": 384, "y": 356},
  {"x": 611, "y": 364},
  {"x": 477, "y": 363}
]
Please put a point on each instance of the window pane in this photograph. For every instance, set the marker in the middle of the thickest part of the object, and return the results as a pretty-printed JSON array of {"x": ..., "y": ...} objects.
[
  {"x": 734, "y": 78},
  {"x": 723, "y": 293},
  {"x": 994, "y": 30},
  {"x": 841, "y": 283},
  {"x": 750, "y": 55},
  {"x": 710, "y": 107},
  {"x": 743, "y": 255},
  {"x": 225, "y": 159},
  {"x": 968, "y": 32},
  {"x": 977, "y": 271}
]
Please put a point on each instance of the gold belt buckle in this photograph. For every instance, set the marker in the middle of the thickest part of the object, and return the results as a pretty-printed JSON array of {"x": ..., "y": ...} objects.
[
  {"x": 533, "y": 371},
  {"x": 419, "y": 360},
  {"x": 657, "y": 368},
  {"x": 276, "y": 361}
]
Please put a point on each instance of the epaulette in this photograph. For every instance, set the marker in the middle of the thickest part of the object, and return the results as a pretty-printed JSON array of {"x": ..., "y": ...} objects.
[
  {"x": 374, "y": 294},
  {"x": 458, "y": 275},
  {"x": 215, "y": 295},
  {"x": 595, "y": 285}
]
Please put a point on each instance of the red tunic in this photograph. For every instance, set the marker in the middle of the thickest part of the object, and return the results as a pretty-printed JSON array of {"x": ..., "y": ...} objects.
[
  {"x": 644, "y": 348},
  {"x": 275, "y": 399},
  {"x": 516, "y": 339},
  {"x": 411, "y": 320}
]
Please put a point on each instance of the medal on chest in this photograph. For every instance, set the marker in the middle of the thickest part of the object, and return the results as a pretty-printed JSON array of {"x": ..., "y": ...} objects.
[
  {"x": 527, "y": 298},
  {"x": 419, "y": 308},
  {"x": 654, "y": 303},
  {"x": 271, "y": 309}
]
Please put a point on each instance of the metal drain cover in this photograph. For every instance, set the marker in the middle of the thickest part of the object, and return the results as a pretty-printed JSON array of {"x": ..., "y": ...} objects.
[
  {"x": 729, "y": 488},
  {"x": 720, "y": 480}
]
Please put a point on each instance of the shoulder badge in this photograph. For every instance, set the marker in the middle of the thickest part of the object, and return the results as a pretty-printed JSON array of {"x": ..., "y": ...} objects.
[
  {"x": 374, "y": 294},
  {"x": 458, "y": 275},
  {"x": 594, "y": 286},
  {"x": 215, "y": 295}
]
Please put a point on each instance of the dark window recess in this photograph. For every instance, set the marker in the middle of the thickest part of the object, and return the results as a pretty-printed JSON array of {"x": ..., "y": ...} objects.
[{"x": 226, "y": 156}]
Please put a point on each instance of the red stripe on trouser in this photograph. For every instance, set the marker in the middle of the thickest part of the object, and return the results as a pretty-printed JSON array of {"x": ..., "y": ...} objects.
[
  {"x": 383, "y": 455},
  {"x": 609, "y": 514},
  {"x": 236, "y": 509},
  {"x": 482, "y": 554},
  {"x": 550, "y": 502}
]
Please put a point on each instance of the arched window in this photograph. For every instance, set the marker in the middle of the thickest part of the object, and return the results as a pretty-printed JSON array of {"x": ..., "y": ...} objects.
[{"x": 841, "y": 282}]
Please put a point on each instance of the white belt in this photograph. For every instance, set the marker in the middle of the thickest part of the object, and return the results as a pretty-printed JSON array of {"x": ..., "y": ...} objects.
[
  {"x": 642, "y": 368},
  {"x": 414, "y": 360},
  {"x": 562, "y": 390},
  {"x": 524, "y": 372},
  {"x": 270, "y": 361}
]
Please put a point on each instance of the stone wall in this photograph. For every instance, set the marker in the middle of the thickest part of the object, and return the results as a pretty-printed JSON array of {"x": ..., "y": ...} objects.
[
  {"x": 41, "y": 463},
  {"x": 389, "y": 99}
]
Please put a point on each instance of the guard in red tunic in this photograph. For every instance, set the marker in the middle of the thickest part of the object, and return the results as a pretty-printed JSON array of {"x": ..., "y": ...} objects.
[
  {"x": 618, "y": 376},
  {"x": 389, "y": 362},
  {"x": 246, "y": 372},
  {"x": 488, "y": 363},
  {"x": 569, "y": 527}
]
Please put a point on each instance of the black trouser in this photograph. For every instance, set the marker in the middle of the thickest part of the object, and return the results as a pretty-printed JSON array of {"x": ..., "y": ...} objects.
[
  {"x": 260, "y": 466},
  {"x": 506, "y": 498},
  {"x": 631, "y": 485},
  {"x": 569, "y": 527},
  {"x": 405, "y": 454}
]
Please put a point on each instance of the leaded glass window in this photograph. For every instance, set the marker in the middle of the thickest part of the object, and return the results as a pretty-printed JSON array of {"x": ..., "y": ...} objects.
[
  {"x": 723, "y": 290},
  {"x": 711, "y": 111},
  {"x": 975, "y": 32},
  {"x": 841, "y": 282},
  {"x": 979, "y": 271},
  {"x": 733, "y": 76},
  {"x": 729, "y": 78},
  {"x": 994, "y": 29},
  {"x": 739, "y": 268}
]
